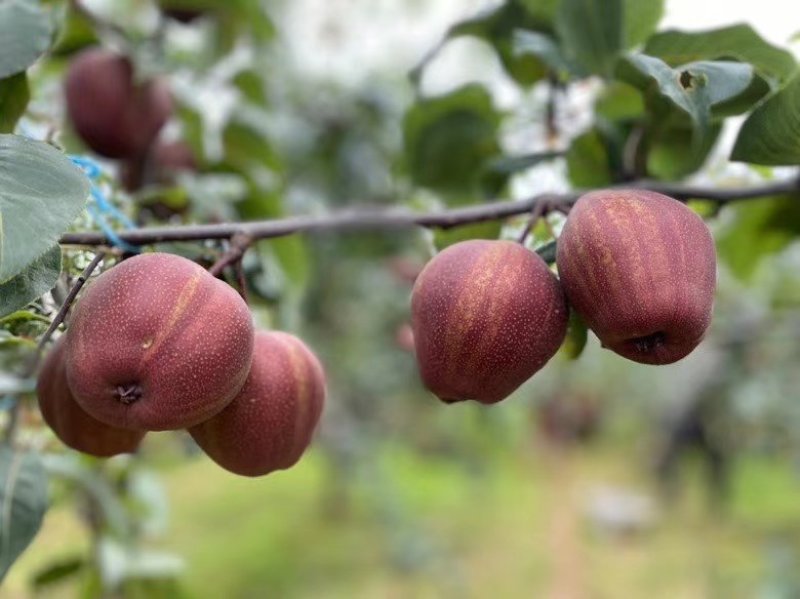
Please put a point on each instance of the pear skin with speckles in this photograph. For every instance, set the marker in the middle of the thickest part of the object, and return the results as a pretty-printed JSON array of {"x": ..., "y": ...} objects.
[
  {"x": 157, "y": 343},
  {"x": 71, "y": 424},
  {"x": 640, "y": 268},
  {"x": 270, "y": 423},
  {"x": 486, "y": 316}
]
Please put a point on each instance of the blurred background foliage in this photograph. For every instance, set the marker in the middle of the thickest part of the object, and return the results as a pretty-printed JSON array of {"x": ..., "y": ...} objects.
[{"x": 600, "y": 477}]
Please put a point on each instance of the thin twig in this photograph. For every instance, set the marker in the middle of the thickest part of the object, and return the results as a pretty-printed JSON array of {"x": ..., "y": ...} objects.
[
  {"x": 239, "y": 244},
  {"x": 360, "y": 220},
  {"x": 540, "y": 210}
]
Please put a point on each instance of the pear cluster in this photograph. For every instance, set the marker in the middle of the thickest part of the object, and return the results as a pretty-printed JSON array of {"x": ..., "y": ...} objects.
[
  {"x": 638, "y": 267},
  {"x": 157, "y": 343}
]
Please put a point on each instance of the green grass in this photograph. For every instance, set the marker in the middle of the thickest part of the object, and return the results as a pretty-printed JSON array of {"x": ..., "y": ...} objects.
[{"x": 510, "y": 525}]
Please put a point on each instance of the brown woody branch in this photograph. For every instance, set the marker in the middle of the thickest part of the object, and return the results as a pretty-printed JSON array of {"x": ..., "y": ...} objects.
[{"x": 372, "y": 219}]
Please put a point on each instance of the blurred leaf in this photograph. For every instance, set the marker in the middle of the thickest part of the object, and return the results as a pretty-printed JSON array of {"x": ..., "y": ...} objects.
[
  {"x": 693, "y": 87},
  {"x": 38, "y": 278},
  {"x": 23, "y": 503},
  {"x": 450, "y": 139},
  {"x": 58, "y": 571},
  {"x": 758, "y": 229},
  {"x": 770, "y": 134},
  {"x": 41, "y": 194},
  {"x": 446, "y": 237},
  {"x": 641, "y": 20},
  {"x": 737, "y": 42},
  {"x": 672, "y": 154},
  {"x": 119, "y": 563},
  {"x": 509, "y": 165},
  {"x": 591, "y": 32},
  {"x": 577, "y": 336},
  {"x": 14, "y": 98},
  {"x": 22, "y": 316},
  {"x": 619, "y": 101},
  {"x": 545, "y": 48},
  {"x": 547, "y": 252},
  {"x": 75, "y": 33},
  {"x": 496, "y": 26},
  {"x": 25, "y": 31},
  {"x": 73, "y": 467},
  {"x": 588, "y": 163}
]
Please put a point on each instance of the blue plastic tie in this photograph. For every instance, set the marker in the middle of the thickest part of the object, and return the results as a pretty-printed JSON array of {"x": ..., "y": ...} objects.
[{"x": 102, "y": 208}]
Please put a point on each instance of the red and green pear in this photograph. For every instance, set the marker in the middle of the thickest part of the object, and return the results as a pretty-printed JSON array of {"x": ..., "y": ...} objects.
[
  {"x": 486, "y": 316},
  {"x": 270, "y": 423},
  {"x": 640, "y": 268},
  {"x": 71, "y": 424},
  {"x": 157, "y": 343}
]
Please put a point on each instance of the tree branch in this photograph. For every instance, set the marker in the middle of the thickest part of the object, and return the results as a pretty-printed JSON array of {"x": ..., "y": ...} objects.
[{"x": 373, "y": 219}]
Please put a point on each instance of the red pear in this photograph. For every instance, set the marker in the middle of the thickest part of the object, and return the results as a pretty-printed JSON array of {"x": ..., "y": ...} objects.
[
  {"x": 69, "y": 421},
  {"x": 269, "y": 424},
  {"x": 640, "y": 268},
  {"x": 115, "y": 115},
  {"x": 486, "y": 316},
  {"x": 157, "y": 343}
]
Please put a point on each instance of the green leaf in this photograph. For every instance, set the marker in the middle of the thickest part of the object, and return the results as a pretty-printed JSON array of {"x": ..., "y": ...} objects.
[
  {"x": 446, "y": 237},
  {"x": 591, "y": 32},
  {"x": 23, "y": 502},
  {"x": 14, "y": 98},
  {"x": 619, "y": 101},
  {"x": 56, "y": 572},
  {"x": 737, "y": 42},
  {"x": 577, "y": 336},
  {"x": 546, "y": 49},
  {"x": 693, "y": 87},
  {"x": 25, "y": 31},
  {"x": 496, "y": 26},
  {"x": 450, "y": 140},
  {"x": 673, "y": 155},
  {"x": 771, "y": 134},
  {"x": 588, "y": 162},
  {"x": 38, "y": 278},
  {"x": 641, "y": 20},
  {"x": 508, "y": 165},
  {"x": 41, "y": 193},
  {"x": 757, "y": 230}
]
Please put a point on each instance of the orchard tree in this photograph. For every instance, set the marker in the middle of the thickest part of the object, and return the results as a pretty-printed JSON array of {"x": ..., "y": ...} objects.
[{"x": 143, "y": 226}]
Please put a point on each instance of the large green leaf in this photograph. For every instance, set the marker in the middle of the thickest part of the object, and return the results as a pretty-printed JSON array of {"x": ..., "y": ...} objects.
[
  {"x": 757, "y": 229},
  {"x": 737, "y": 42},
  {"x": 41, "y": 193},
  {"x": 588, "y": 162},
  {"x": 619, "y": 101},
  {"x": 673, "y": 155},
  {"x": 450, "y": 140},
  {"x": 591, "y": 32},
  {"x": 25, "y": 31},
  {"x": 693, "y": 87},
  {"x": 38, "y": 278},
  {"x": 641, "y": 18},
  {"x": 14, "y": 98},
  {"x": 23, "y": 502},
  {"x": 771, "y": 134}
]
